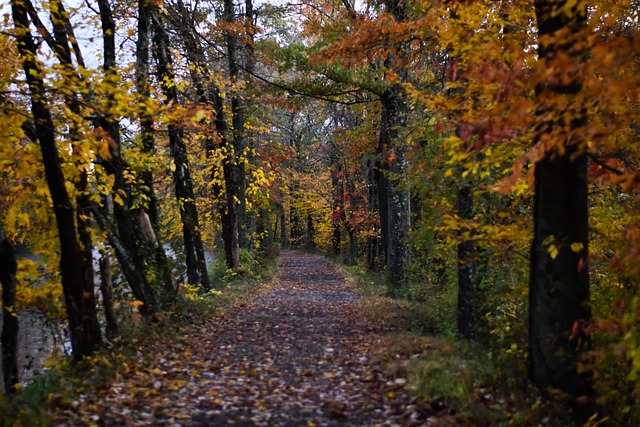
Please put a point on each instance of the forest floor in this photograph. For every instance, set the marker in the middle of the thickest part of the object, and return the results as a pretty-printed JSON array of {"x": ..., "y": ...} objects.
[{"x": 297, "y": 352}]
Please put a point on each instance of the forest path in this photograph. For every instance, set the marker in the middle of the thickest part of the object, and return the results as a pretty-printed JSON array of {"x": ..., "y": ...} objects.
[{"x": 295, "y": 354}]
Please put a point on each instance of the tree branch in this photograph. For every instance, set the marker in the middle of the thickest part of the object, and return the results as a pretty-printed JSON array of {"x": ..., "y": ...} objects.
[{"x": 610, "y": 168}]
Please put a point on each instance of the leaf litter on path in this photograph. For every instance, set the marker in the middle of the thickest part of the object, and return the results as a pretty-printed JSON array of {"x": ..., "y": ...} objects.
[{"x": 296, "y": 354}]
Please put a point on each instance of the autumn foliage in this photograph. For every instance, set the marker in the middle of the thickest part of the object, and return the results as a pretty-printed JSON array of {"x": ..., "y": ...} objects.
[{"x": 419, "y": 140}]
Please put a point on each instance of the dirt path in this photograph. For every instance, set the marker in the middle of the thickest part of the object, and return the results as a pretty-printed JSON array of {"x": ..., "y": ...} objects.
[{"x": 295, "y": 355}]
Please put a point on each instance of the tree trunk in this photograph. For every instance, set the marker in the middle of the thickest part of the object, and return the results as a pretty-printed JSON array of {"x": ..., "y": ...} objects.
[
  {"x": 393, "y": 202},
  {"x": 336, "y": 238},
  {"x": 237, "y": 129},
  {"x": 373, "y": 241},
  {"x": 62, "y": 48},
  {"x": 264, "y": 236},
  {"x": 468, "y": 277},
  {"x": 209, "y": 93},
  {"x": 161, "y": 265},
  {"x": 106, "y": 289},
  {"x": 9, "y": 337},
  {"x": 146, "y": 120},
  {"x": 132, "y": 252},
  {"x": 559, "y": 281},
  {"x": 194, "y": 248},
  {"x": 393, "y": 115},
  {"x": 284, "y": 235},
  {"x": 310, "y": 233},
  {"x": 352, "y": 255},
  {"x": 380, "y": 171},
  {"x": 230, "y": 232},
  {"x": 338, "y": 200},
  {"x": 83, "y": 324}
]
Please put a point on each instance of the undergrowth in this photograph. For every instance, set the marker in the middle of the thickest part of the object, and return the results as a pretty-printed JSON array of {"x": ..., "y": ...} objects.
[
  {"x": 58, "y": 385},
  {"x": 461, "y": 383}
]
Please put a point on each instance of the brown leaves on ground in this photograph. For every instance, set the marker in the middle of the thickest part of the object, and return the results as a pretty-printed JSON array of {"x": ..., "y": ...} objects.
[{"x": 296, "y": 354}]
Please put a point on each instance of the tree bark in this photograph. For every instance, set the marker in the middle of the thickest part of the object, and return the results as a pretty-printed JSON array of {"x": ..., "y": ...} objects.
[
  {"x": 284, "y": 233},
  {"x": 373, "y": 241},
  {"x": 310, "y": 246},
  {"x": 106, "y": 289},
  {"x": 468, "y": 277},
  {"x": 559, "y": 281},
  {"x": 397, "y": 213},
  {"x": 9, "y": 337},
  {"x": 338, "y": 200},
  {"x": 380, "y": 173}
]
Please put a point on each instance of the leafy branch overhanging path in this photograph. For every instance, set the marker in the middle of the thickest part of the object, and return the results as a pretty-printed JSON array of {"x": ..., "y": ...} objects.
[{"x": 296, "y": 354}]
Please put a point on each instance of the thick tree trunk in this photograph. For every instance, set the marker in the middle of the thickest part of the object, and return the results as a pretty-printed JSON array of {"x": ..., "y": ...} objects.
[
  {"x": 559, "y": 288},
  {"x": 9, "y": 337},
  {"x": 85, "y": 337},
  {"x": 559, "y": 281}
]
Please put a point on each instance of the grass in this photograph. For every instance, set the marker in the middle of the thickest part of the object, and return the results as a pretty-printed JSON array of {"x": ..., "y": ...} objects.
[{"x": 461, "y": 383}]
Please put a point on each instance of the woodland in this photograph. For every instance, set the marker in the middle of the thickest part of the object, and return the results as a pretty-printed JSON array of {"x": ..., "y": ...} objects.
[{"x": 479, "y": 160}]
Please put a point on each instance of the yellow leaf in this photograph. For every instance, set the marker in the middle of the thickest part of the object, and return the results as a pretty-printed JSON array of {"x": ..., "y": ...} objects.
[
  {"x": 577, "y": 246},
  {"x": 553, "y": 251}
]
